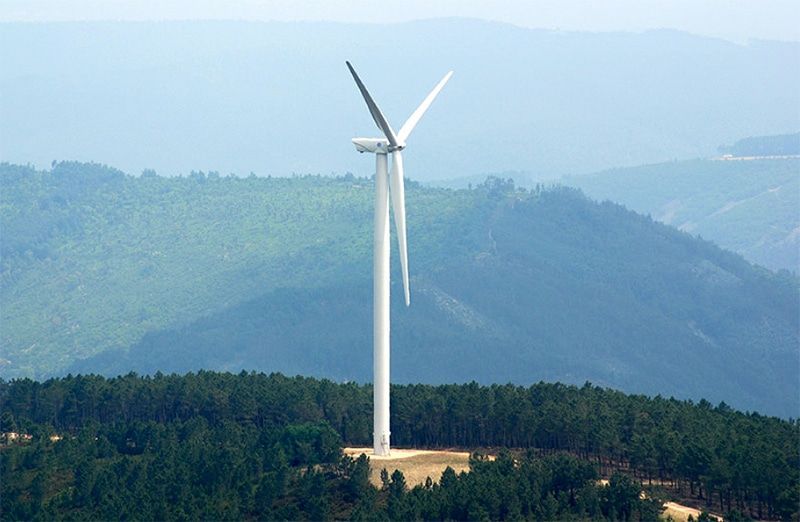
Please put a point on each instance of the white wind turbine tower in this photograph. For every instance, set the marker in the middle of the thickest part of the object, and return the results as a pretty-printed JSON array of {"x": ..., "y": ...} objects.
[{"x": 381, "y": 147}]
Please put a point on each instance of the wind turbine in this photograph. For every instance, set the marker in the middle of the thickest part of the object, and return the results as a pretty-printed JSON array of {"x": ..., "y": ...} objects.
[{"x": 386, "y": 184}]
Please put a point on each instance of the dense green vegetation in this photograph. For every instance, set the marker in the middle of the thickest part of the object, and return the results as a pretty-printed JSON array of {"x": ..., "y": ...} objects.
[
  {"x": 101, "y": 258},
  {"x": 108, "y": 273},
  {"x": 777, "y": 145},
  {"x": 223, "y": 446},
  {"x": 749, "y": 207}
]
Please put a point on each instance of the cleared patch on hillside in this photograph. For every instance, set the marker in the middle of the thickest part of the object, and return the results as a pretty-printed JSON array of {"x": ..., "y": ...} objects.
[
  {"x": 680, "y": 513},
  {"x": 416, "y": 465}
]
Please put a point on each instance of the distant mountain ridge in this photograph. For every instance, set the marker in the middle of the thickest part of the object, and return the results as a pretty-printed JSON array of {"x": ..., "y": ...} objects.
[
  {"x": 275, "y": 98},
  {"x": 777, "y": 145},
  {"x": 748, "y": 206},
  {"x": 108, "y": 273}
]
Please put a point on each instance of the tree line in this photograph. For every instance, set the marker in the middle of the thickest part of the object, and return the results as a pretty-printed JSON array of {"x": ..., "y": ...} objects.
[
  {"x": 193, "y": 470},
  {"x": 734, "y": 461}
]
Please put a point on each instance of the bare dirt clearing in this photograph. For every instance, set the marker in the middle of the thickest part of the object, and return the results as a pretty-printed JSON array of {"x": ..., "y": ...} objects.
[
  {"x": 416, "y": 465},
  {"x": 681, "y": 513}
]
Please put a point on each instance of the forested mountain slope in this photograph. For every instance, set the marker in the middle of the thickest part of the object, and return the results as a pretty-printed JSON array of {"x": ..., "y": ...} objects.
[
  {"x": 276, "y": 97},
  {"x": 748, "y": 206},
  {"x": 108, "y": 273}
]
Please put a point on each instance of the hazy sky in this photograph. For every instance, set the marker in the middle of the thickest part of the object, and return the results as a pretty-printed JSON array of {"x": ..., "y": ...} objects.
[{"x": 737, "y": 20}]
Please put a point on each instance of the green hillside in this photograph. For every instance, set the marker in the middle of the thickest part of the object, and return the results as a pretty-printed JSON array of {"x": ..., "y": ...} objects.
[
  {"x": 93, "y": 259},
  {"x": 108, "y": 273},
  {"x": 750, "y": 207}
]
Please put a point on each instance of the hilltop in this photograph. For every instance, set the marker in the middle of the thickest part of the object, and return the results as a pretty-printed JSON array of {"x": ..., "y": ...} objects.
[
  {"x": 253, "y": 446},
  {"x": 109, "y": 273},
  {"x": 756, "y": 146}
]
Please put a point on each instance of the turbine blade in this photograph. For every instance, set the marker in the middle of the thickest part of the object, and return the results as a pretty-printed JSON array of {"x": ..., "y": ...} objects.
[
  {"x": 377, "y": 115},
  {"x": 412, "y": 121},
  {"x": 397, "y": 189}
]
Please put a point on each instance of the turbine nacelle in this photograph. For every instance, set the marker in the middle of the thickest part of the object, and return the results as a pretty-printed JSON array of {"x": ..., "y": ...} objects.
[{"x": 376, "y": 145}]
